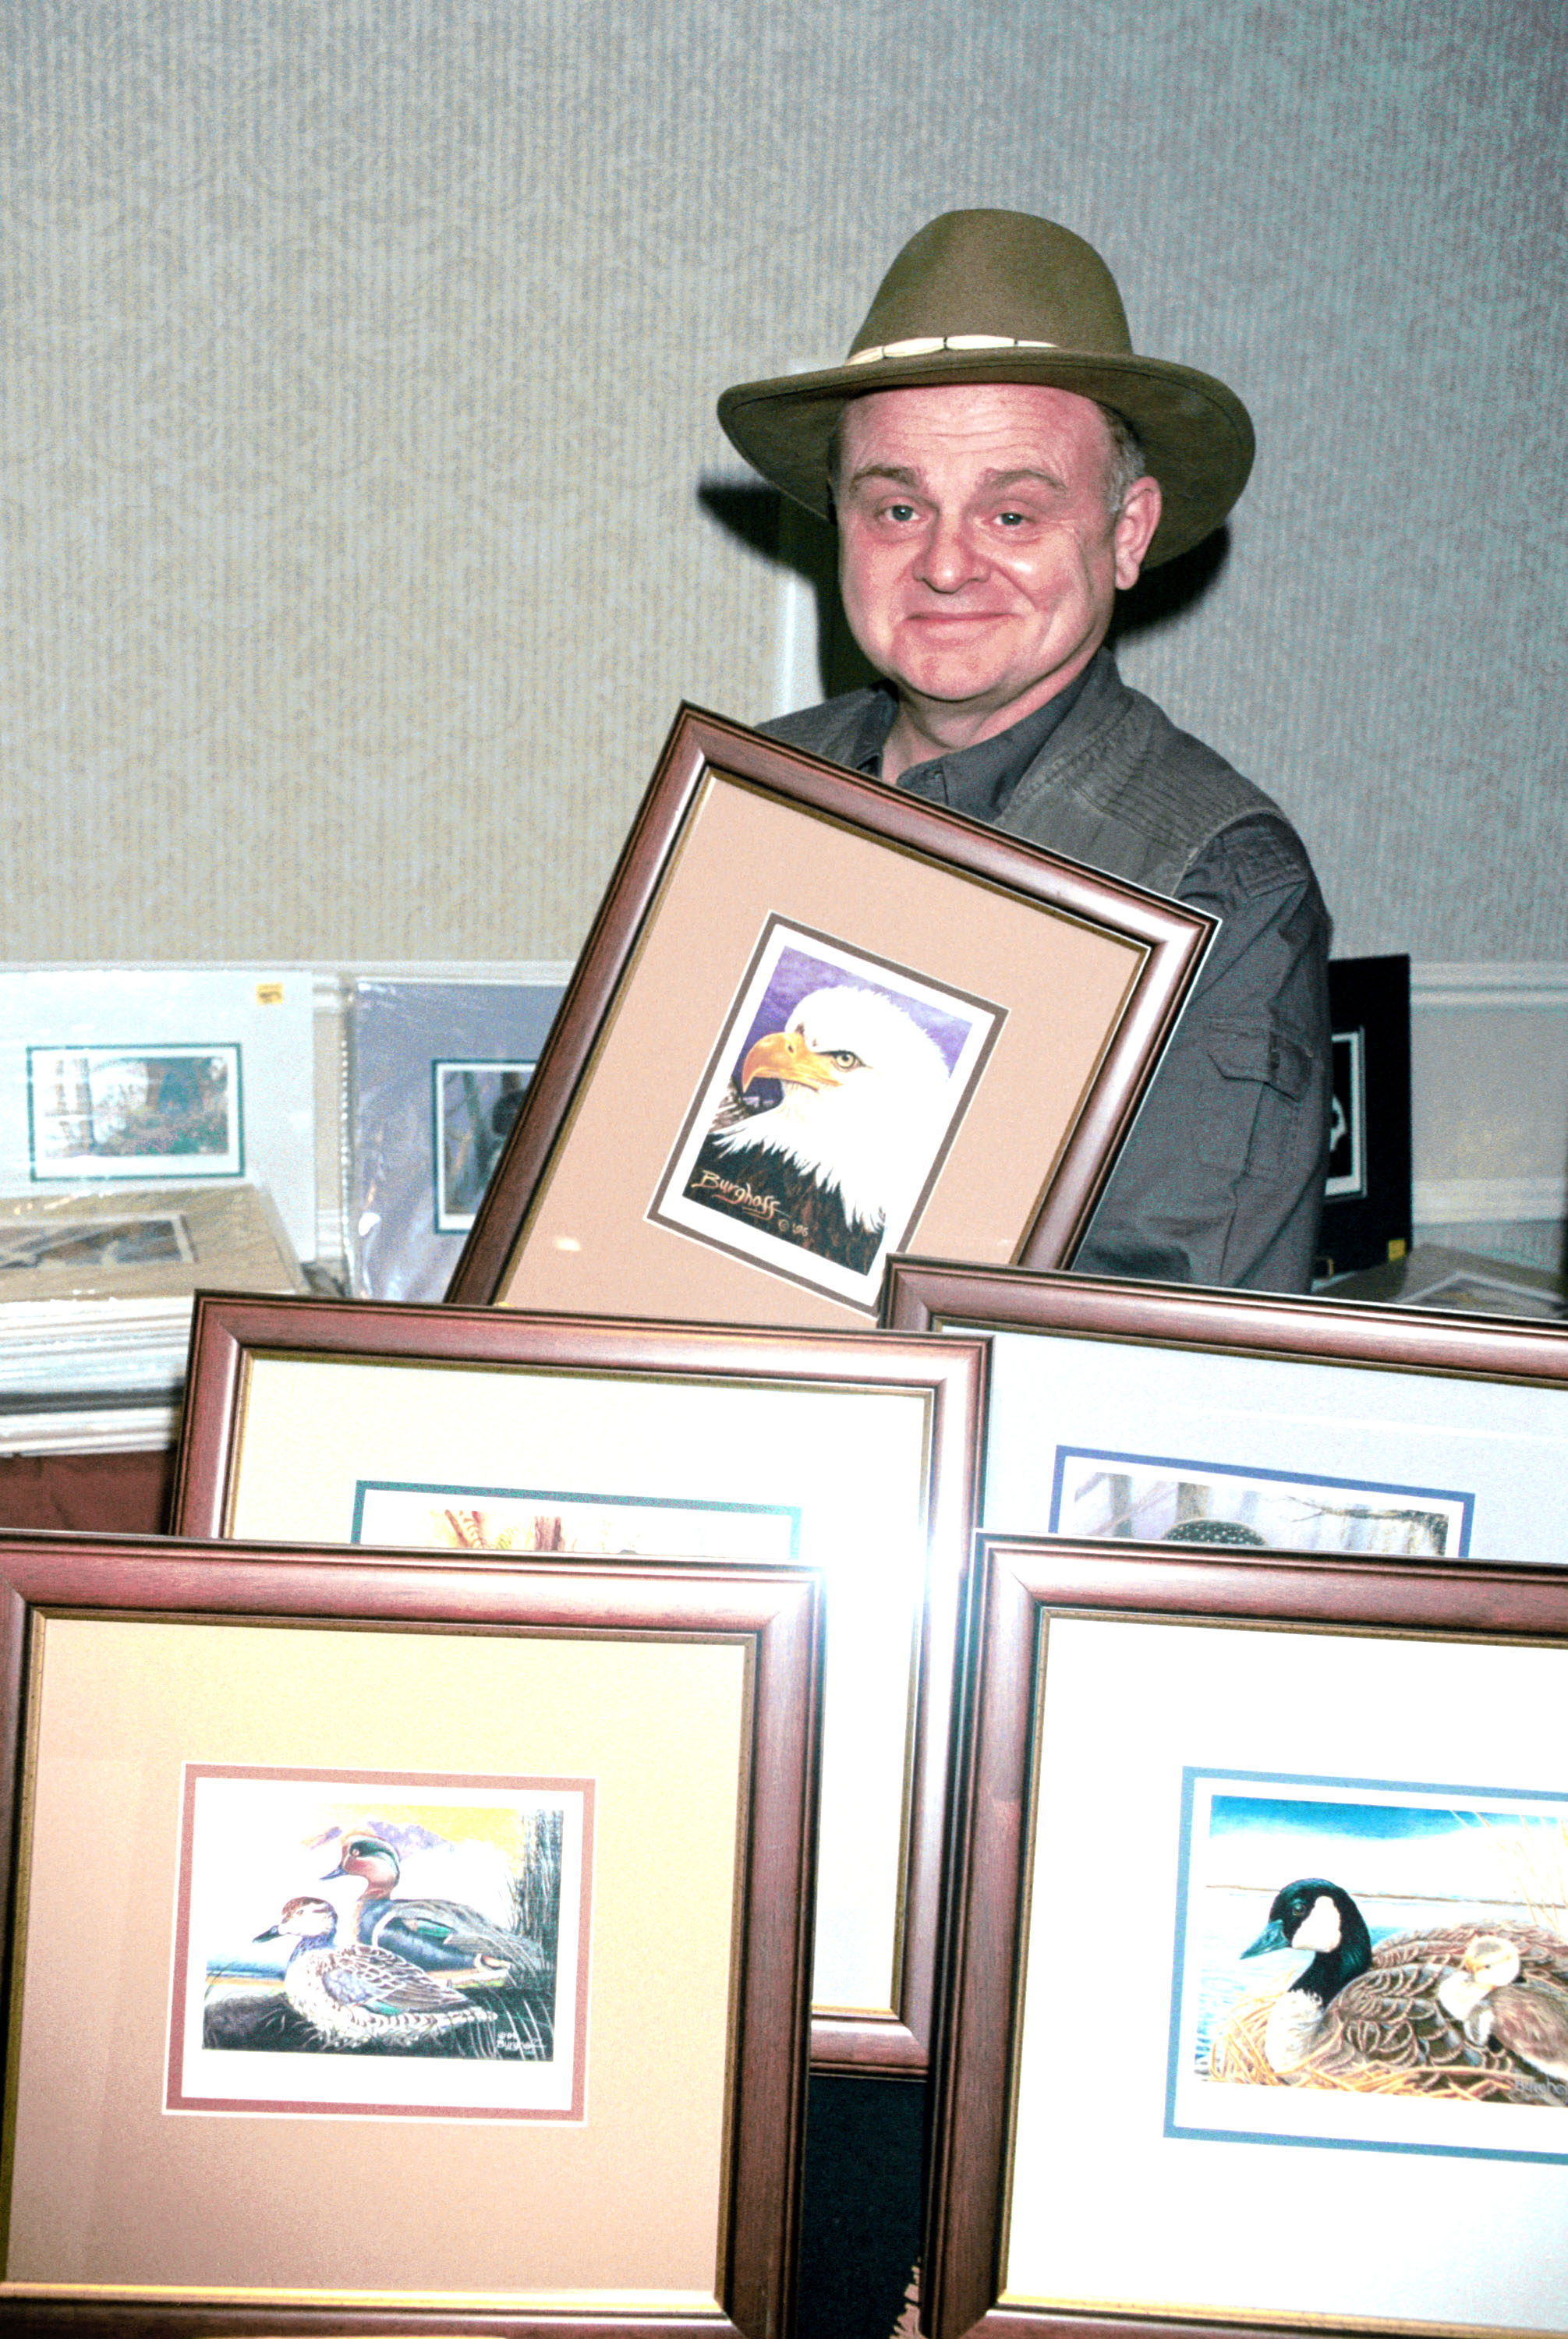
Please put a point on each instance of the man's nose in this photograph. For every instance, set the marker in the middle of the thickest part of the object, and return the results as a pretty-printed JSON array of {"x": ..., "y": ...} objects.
[{"x": 950, "y": 557}]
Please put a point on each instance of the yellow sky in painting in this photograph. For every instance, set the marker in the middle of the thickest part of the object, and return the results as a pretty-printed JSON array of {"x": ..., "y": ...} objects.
[{"x": 496, "y": 1823}]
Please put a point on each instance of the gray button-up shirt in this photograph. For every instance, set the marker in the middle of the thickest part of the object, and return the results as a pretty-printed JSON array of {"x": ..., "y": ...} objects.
[{"x": 1220, "y": 1180}]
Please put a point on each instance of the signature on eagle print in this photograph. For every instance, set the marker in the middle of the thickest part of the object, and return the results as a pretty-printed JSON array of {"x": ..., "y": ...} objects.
[
  {"x": 363, "y": 1922},
  {"x": 826, "y": 1113},
  {"x": 1388, "y": 1956}
]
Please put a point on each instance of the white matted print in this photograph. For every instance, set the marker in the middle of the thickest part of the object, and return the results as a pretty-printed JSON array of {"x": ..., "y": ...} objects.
[
  {"x": 1128, "y": 1712},
  {"x": 1156, "y": 1499},
  {"x": 103, "y": 1113},
  {"x": 1500, "y": 1447},
  {"x": 1347, "y": 1176},
  {"x": 1370, "y": 1962},
  {"x": 545, "y": 1519},
  {"x": 826, "y": 1111},
  {"x": 473, "y": 1105},
  {"x": 380, "y": 1945},
  {"x": 854, "y": 1462}
]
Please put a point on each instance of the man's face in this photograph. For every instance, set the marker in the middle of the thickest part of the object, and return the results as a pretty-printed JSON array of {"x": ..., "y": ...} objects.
[{"x": 979, "y": 561}]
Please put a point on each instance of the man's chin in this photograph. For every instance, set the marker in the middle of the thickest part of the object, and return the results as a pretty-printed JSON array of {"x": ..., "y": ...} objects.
[{"x": 949, "y": 688}]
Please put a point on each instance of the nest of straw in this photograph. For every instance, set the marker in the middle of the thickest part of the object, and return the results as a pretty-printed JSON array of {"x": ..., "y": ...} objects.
[{"x": 1238, "y": 2055}]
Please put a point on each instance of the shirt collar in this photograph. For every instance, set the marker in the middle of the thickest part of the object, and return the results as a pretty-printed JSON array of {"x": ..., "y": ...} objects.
[{"x": 975, "y": 780}]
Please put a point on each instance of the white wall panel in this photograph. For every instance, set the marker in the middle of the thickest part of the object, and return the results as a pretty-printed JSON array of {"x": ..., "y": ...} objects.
[{"x": 356, "y": 379}]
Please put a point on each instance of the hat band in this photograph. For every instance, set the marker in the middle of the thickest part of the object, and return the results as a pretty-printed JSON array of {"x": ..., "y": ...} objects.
[{"x": 929, "y": 345}]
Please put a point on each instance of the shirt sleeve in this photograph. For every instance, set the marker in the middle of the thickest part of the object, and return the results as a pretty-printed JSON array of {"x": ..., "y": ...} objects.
[{"x": 1221, "y": 1178}]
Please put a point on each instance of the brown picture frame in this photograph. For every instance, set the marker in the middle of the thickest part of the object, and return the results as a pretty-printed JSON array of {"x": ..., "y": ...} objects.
[
  {"x": 997, "y": 2092},
  {"x": 1063, "y": 984},
  {"x": 1441, "y": 1435},
  {"x": 892, "y": 1707},
  {"x": 74, "y": 1610}
]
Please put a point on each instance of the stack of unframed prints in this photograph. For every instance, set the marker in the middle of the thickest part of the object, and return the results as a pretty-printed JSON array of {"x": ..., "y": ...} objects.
[{"x": 156, "y": 1136}]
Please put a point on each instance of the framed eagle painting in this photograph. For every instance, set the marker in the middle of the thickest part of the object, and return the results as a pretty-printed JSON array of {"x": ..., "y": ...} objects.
[{"x": 817, "y": 1021}]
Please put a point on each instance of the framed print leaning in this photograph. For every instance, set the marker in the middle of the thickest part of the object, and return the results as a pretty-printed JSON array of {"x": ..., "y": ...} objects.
[
  {"x": 1258, "y": 2012},
  {"x": 436, "y": 1071},
  {"x": 1155, "y": 1413},
  {"x": 127, "y": 1077},
  {"x": 817, "y": 1021},
  {"x": 444, "y": 1962},
  {"x": 478, "y": 1429}
]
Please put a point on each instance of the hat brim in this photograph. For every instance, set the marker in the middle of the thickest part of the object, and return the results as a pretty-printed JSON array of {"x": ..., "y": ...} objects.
[{"x": 1196, "y": 433}]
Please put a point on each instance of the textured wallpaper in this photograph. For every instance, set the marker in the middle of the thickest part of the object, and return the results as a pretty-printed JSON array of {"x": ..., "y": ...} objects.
[{"x": 364, "y": 516}]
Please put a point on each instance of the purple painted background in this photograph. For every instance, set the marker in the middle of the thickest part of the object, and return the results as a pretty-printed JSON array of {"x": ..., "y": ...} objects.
[{"x": 798, "y": 974}]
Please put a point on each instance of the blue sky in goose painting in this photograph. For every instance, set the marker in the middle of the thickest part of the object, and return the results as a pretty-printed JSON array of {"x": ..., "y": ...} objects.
[{"x": 1414, "y": 1860}]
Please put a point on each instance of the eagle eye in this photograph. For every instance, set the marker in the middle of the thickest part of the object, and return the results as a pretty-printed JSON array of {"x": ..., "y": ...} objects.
[{"x": 845, "y": 1059}]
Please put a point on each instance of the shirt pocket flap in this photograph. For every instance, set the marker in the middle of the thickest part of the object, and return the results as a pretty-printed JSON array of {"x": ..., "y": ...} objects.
[{"x": 1251, "y": 1051}]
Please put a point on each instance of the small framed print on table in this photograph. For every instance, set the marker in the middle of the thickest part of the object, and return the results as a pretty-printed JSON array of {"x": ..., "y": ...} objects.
[
  {"x": 1366, "y": 1206},
  {"x": 816, "y": 1022},
  {"x": 480, "y": 1429},
  {"x": 436, "y": 1072},
  {"x": 1257, "y": 2016},
  {"x": 404, "y": 1944},
  {"x": 1154, "y": 1413}
]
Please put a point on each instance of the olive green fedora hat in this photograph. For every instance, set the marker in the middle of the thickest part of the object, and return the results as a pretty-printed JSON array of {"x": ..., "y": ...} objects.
[{"x": 1000, "y": 296}]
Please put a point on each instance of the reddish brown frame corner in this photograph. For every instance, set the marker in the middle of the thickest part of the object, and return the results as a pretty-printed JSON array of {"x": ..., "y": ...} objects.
[
  {"x": 930, "y": 1295},
  {"x": 226, "y": 1330},
  {"x": 1017, "y": 1584},
  {"x": 775, "y": 1611},
  {"x": 1176, "y": 938}
]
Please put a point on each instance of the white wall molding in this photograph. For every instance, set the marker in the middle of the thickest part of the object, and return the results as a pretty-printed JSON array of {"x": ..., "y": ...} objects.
[
  {"x": 1533, "y": 983},
  {"x": 1489, "y": 1093},
  {"x": 1488, "y": 1202}
]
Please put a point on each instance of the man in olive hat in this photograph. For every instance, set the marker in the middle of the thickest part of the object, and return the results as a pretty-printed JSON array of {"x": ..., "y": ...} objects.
[{"x": 1000, "y": 463}]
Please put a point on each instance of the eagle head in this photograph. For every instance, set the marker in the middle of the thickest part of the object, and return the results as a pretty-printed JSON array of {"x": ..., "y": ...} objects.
[{"x": 865, "y": 1097}]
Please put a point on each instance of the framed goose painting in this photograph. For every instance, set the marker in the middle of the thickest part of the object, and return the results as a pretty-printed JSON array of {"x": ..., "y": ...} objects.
[
  {"x": 818, "y": 1022},
  {"x": 1152, "y": 1412},
  {"x": 383, "y": 1960},
  {"x": 1257, "y": 1995}
]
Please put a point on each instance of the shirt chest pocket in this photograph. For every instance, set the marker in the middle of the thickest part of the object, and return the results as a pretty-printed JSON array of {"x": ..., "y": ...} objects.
[{"x": 1256, "y": 1082}]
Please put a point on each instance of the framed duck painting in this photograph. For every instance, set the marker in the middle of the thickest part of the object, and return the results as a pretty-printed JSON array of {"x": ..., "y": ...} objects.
[
  {"x": 382, "y": 1959},
  {"x": 1257, "y": 2000}
]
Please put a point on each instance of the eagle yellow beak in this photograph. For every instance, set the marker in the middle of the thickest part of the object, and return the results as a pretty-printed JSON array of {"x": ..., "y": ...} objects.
[{"x": 786, "y": 1056}]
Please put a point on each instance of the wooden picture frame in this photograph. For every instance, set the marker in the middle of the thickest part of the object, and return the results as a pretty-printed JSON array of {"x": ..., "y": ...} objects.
[
  {"x": 328, "y": 1422},
  {"x": 1016, "y": 1006},
  {"x": 160, "y": 2176},
  {"x": 1164, "y": 1752},
  {"x": 1145, "y": 1410}
]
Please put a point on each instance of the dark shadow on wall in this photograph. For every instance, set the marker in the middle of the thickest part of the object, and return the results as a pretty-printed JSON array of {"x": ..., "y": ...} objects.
[
  {"x": 1163, "y": 595},
  {"x": 793, "y": 538}
]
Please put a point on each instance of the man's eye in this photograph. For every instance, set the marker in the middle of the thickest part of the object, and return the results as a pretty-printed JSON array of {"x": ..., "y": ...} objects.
[
  {"x": 1012, "y": 518},
  {"x": 900, "y": 512}
]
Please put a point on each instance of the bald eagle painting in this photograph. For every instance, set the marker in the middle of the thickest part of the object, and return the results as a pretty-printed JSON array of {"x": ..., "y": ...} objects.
[{"x": 840, "y": 1098}]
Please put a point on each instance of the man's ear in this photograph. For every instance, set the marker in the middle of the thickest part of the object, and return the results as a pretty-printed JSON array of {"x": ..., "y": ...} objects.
[{"x": 1134, "y": 528}]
